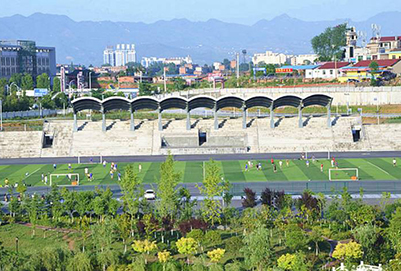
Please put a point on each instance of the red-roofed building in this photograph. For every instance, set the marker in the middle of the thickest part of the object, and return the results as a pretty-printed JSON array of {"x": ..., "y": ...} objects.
[
  {"x": 329, "y": 70},
  {"x": 379, "y": 48},
  {"x": 361, "y": 70}
]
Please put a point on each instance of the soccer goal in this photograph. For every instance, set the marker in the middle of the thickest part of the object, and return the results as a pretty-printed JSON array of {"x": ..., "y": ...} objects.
[
  {"x": 343, "y": 174},
  {"x": 64, "y": 179}
]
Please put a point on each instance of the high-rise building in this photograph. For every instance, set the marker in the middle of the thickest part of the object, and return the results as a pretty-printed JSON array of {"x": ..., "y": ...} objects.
[
  {"x": 123, "y": 54},
  {"x": 23, "y": 56},
  {"x": 108, "y": 56}
]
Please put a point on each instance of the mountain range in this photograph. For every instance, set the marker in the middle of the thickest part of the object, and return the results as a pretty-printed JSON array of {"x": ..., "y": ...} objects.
[{"x": 213, "y": 40}]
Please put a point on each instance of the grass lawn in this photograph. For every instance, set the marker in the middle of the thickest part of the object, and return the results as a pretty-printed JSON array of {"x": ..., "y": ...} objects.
[
  {"x": 28, "y": 243},
  {"x": 234, "y": 171}
]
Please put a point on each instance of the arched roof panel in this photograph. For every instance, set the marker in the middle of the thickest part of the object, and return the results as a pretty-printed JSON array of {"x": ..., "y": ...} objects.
[
  {"x": 201, "y": 101},
  {"x": 288, "y": 100},
  {"x": 229, "y": 101},
  {"x": 173, "y": 102},
  {"x": 144, "y": 102},
  {"x": 85, "y": 103},
  {"x": 116, "y": 103},
  {"x": 317, "y": 99},
  {"x": 258, "y": 101}
]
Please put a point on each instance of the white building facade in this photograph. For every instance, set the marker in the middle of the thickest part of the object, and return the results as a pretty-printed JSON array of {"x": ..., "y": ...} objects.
[{"x": 123, "y": 54}]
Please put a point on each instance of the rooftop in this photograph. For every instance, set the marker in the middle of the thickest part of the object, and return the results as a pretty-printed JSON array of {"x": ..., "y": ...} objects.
[{"x": 333, "y": 65}]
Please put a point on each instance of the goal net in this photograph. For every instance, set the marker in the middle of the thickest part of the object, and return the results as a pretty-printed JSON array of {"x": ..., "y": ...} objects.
[
  {"x": 65, "y": 179},
  {"x": 343, "y": 174}
]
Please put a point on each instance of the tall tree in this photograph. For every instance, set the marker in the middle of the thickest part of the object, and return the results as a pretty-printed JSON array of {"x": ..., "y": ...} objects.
[
  {"x": 329, "y": 44},
  {"x": 211, "y": 188},
  {"x": 27, "y": 82},
  {"x": 166, "y": 191},
  {"x": 258, "y": 251},
  {"x": 42, "y": 81},
  {"x": 56, "y": 85}
]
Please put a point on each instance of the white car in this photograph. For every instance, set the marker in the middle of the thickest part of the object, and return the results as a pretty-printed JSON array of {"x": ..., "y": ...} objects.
[{"x": 150, "y": 194}]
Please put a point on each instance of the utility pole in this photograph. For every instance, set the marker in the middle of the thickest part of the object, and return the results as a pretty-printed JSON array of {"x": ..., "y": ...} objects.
[
  {"x": 90, "y": 81},
  {"x": 165, "y": 82},
  {"x": 237, "y": 69}
]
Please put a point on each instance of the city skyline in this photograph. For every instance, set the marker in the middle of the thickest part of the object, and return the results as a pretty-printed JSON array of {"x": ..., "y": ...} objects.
[{"x": 227, "y": 11}]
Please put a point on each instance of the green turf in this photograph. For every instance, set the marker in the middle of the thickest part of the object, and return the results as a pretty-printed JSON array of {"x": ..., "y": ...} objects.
[{"x": 234, "y": 171}]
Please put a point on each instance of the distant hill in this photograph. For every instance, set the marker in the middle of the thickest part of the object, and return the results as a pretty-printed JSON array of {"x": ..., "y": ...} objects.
[{"x": 213, "y": 40}]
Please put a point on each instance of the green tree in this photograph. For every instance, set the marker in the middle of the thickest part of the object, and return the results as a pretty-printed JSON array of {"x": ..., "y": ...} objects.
[
  {"x": 132, "y": 191},
  {"x": 43, "y": 81},
  {"x": 3, "y": 83},
  {"x": 17, "y": 79},
  {"x": 293, "y": 262},
  {"x": 187, "y": 246},
  {"x": 166, "y": 190},
  {"x": 258, "y": 251},
  {"x": 27, "y": 82},
  {"x": 56, "y": 85},
  {"x": 394, "y": 230},
  {"x": 32, "y": 206},
  {"x": 296, "y": 238},
  {"x": 104, "y": 204},
  {"x": 103, "y": 235},
  {"x": 145, "y": 89},
  {"x": 80, "y": 262},
  {"x": 328, "y": 45},
  {"x": 367, "y": 235},
  {"x": 211, "y": 188}
]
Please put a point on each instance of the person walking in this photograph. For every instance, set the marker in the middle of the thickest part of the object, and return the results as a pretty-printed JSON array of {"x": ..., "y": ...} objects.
[
  {"x": 274, "y": 168},
  {"x": 280, "y": 163},
  {"x": 394, "y": 162},
  {"x": 321, "y": 167}
]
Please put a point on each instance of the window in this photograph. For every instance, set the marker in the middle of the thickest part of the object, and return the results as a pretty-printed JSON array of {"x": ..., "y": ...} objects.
[
  {"x": 331, "y": 72},
  {"x": 7, "y": 61},
  {"x": 324, "y": 72}
]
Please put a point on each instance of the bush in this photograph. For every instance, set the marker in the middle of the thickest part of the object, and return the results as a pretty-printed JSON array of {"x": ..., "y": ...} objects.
[
  {"x": 196, "y": 234},
  {"x": 188, "y": 225},
  {"x": 235, "y": 266},
  {"x": 234, "y": 244},
  {"x": 250, "y": 198},
  {"x": 212, "y": 238}
]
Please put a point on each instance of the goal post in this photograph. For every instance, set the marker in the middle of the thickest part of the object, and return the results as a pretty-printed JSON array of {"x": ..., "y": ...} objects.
[
  {"x": 343, "y": 174},
  {"x": 64, "y": 179}
]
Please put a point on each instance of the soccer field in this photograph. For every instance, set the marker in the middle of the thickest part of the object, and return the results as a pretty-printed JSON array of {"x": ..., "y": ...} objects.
[{"x": 233, "y": 171}]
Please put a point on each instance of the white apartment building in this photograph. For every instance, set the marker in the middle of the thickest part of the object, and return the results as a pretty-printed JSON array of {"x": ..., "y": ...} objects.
[
  {"x": 271, "y": 58},
  {"x": 303, "y": 59},
  {"x": 123, "y": 54},
  {"x": 147, "y": 61}
]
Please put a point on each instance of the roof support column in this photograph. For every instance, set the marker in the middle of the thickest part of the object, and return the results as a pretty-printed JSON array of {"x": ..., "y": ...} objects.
[
  {"x": 216, "y": 121},
  {"x": 329, "y": 115},
  {"x": 300, "y": 121},
  {"x": 75, "y": 128},
  {"x": 272, "y": 124},
  {"x": 159, "y": 113},
  {"x": 188, "y": 118},
  {"x": 103, "y": 120},
  {"x": 132, "y": 124},
  {"x": 244, "y": 111}
]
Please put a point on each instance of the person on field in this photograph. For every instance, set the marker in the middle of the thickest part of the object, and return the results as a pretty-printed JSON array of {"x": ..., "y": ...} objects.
[
  {"x": 140, "y": 168},
  {"x": 119, "y": 176},
  {"x": 104, "y": 163},
  {"x": 394, "y": 162},
  {"x": 69, "y": 166},
  {"x": 332, "y": 162},
  {"x": 55, "y": 166},
  {"x": 111, "y": 174},
  {"x": 307, "y": 163},
  {"x": 274, "y": 168},
  {"x": 288, "y": 162},
  {"x": 246, "y": 167},
  {"x": 86, "y": 171},
  {"x": 280, "y": 163},
  {"x": 321, "y": 167},
  {"x": 260, "y": 166},
  {"x": 272, "y": 161},
  {"x": 46, "y": 180},
  {"x": 90, "y": 176}
]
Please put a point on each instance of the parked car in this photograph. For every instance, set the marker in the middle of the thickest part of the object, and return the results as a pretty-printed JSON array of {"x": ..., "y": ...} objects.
[
  {"x": 387, "y": 76},
  {"x": 353, "y": 81},
  {"x": 150, "y": 194}
]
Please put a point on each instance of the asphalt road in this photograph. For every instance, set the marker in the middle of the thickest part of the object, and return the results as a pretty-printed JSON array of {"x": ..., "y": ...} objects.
[{"x": 200, "y": 157}]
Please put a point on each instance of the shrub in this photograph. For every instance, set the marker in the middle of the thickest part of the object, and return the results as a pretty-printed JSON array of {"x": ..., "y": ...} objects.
[
  {"x": 212, "y": 238},
  {"x": 188, "y": 225},
  {"x": 234, "y": 244},
  {"x": 250, "y": 198},
  {"x": 196, "y": 234}
]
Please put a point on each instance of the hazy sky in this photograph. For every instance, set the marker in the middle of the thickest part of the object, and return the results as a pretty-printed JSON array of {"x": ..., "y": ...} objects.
[{"x": 241, "y": 11}]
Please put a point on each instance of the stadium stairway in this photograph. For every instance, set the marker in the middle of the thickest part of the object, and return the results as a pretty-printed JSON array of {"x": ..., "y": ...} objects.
[{"x": 62, "y": 139}]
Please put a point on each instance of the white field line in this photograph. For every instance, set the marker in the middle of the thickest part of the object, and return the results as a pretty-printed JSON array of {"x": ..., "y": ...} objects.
[
  {"x": 26, "y": 177},
  {"x": 380, "y": 169}
]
